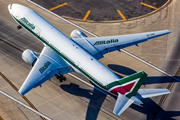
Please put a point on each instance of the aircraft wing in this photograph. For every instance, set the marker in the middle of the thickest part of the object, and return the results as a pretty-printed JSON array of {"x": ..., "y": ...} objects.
[
  {"x": 98, "y": 46},
  {"x": 47, "y": 65},
  {"x": 122, "y": 104}
]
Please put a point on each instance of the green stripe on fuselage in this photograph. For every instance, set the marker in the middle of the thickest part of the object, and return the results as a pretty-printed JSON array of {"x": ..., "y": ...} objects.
[{"x": 61, "y": 55}]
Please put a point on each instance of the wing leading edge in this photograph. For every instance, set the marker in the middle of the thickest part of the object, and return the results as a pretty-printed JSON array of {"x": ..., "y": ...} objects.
[{"x": 103, "y": 45}]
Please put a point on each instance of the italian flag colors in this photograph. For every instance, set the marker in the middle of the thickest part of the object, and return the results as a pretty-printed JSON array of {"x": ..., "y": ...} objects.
[{"x": 128, "y": 86}]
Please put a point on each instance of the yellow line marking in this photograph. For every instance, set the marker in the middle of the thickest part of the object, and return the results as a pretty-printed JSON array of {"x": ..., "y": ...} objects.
[
  {"x": 1, "y": 118},
  {"x": 177, "y": 72},
  {"x": 163, "y": 97},
  {"x": 149, "y": 6},
  {"x": 118, "y": 21},
  {"x": 119, "y": 12},
  {"x": 9, "y": 82},
  {"x": 87, "y": 14},
  {"x": 11, "y": 45},
  {"x": 58, "y": 6},
  {"x": 22, "y": 96},
  {"x": 169, "y": 86}
]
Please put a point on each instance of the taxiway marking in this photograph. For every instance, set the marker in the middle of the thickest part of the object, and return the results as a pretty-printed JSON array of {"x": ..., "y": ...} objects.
[
  {"x": 119, "y": 12},
  {"x": 168, "y": 87},
  {"x": 169, "y": 1},
  {"x": 58, "y": 6},
  {"x": 17, "y": 91},
  {"x": 21, "y": 103},
  {"x": 10, "y": 45},
  {"x": 149, "y": 6},
  {"x": 164, "y": 96},
  {"x": 87, "y": 14}
]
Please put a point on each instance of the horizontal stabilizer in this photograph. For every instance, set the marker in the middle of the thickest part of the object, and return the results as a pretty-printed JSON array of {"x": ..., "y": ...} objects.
[
  {"x": 122, "y": 104},
  {"x": 146, "y": 93}
]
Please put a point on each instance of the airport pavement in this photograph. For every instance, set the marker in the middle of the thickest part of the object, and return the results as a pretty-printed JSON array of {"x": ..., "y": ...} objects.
[
  {"x": 75, "y": 100},
  {"x": 102, "y": 10}
]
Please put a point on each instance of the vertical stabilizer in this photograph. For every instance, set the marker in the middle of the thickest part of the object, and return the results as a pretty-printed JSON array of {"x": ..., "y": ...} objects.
[
  {"x": 133, "y": 82},
  {"x": 129, "y": 86}
]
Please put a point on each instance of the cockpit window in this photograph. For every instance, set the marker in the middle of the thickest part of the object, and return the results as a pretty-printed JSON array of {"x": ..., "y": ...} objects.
[{"x": 11, "y": 6}]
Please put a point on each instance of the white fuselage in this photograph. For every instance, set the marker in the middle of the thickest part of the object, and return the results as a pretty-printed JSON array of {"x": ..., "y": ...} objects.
[{"x": 80, "y": 60}]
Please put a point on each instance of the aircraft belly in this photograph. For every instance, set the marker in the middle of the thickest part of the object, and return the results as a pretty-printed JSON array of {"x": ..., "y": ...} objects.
[
  {"x": 83, "y": 60},
  {"x": 90, "y": 65}
]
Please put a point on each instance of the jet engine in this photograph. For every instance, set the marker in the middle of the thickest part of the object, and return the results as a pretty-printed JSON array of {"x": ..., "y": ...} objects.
[
  {"x": 29, "y": 57},
  {"x": 77, "y": 34}
]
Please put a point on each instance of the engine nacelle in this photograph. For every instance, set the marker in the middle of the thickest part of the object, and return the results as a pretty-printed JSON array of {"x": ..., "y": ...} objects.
[
  {"x": 77, "y": 34},
  {"x": 29, "y": 57}
]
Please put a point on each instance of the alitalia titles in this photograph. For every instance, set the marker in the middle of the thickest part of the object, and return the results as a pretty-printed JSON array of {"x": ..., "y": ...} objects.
[
  {"x": 46, "y": 65},
  {"x": 27, "y": 23},
  {"x": 106, "y": 42}
]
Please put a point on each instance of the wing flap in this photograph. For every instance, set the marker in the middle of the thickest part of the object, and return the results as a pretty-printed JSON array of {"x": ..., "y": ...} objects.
[{"x": 122, "y": 104}]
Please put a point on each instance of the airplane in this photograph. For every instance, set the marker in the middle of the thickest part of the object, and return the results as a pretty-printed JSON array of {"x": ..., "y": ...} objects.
[{"x": 62, "y": 55}]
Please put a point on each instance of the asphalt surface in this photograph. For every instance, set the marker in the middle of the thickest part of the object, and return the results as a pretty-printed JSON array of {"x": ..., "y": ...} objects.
[
  {"x": 75, "y": 100},
  {"x": 101, "y": 10}
]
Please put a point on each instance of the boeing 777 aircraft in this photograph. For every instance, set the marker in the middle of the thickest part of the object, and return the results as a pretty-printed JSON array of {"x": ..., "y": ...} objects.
[{"x": 80, "y": 54}]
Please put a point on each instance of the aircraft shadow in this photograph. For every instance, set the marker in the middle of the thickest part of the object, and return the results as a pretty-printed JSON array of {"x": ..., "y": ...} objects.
[
  {"x": 149, "y": 80},
  {"x": 96, "y": 99},
  {"x": 154, "y": 112},
  {"x": 121, "y": 69},
  {"x": 148, "y": 110}
]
